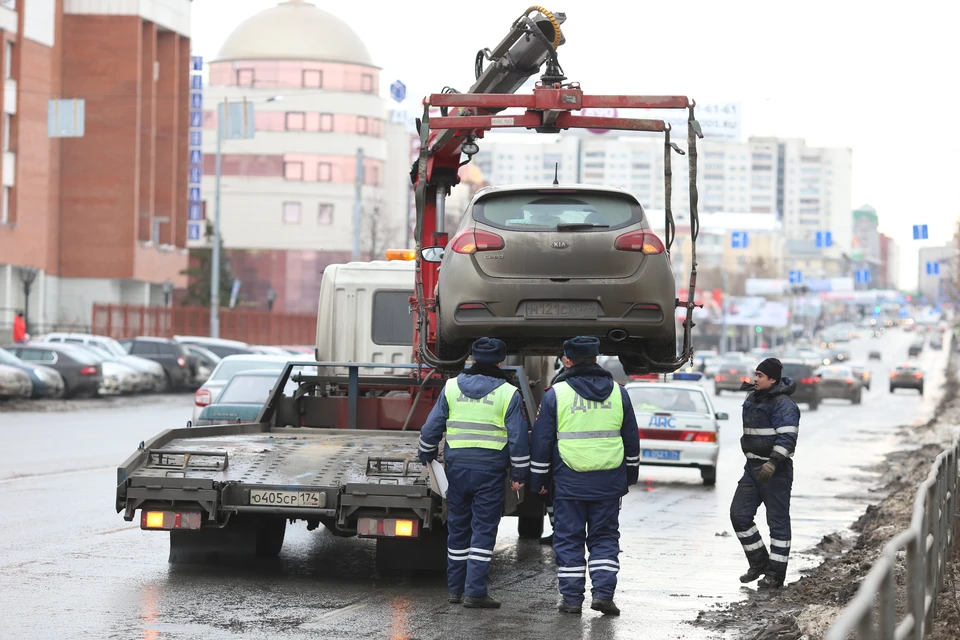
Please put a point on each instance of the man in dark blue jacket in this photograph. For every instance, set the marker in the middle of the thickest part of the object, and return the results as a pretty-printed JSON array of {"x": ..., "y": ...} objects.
[
  {"x": 586, "y": 442},
  {"x": 486, "y": 434},
  {"x": 771, "y": 424}
]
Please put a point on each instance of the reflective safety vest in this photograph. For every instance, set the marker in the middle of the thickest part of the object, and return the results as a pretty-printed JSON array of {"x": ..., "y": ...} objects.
[
  {"x": 477, "y": 422},
  {"x": 588, "y": 432}
]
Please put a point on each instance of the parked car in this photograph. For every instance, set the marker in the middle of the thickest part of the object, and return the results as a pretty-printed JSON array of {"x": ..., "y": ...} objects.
[
  {"x": 113, "y": 347},
  {"x": 299, "y": 349},
  {"x": 226, "y": 369},
  {"x": 863, "y": 373},
  {"x": 222, "y": 348},
  {"x": 840, "y": 382},
  {"x": 906, "y": 376},
  {"x": 270, "y": 350},
  {"x": 46, "y": 382},
  {"x": 81, "y": 371},
  {"x": 533, "y": 265},
  {"x": 678, "y": 426},
  {"x": 118, "y": 376},
  {"x": 242, "y": 398},
  {"x": 207, "y": 361},
  {"x": 915, "y": 349},
  {"x": 731, "y": 374},
  {"x": 875, "y": 355},
  {"x": 178, "y": 366},
  {"x": 804, "y": 374},
  {"x": 14, "y": 383}
]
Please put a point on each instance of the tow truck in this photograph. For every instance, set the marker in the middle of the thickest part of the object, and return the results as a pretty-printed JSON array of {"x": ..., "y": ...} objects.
[{"x": 340, "y": 451}]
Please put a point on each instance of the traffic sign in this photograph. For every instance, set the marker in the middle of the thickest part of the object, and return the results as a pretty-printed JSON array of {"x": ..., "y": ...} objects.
[
  {"x": 933, "y": 268},
  {"x": 398, "y": 91},
  {"x": 194, "y": 194},
  {"x": 193, "y": 231},
  {"x": 195, "y": 175},
  {"x": 796, "y": 277},
  {"x": 824, "y": 239},
  {"x": 920, "y": 232},
  {"x": 739, "y": 240},
  {"x": 196, "y": 119},
  {"x": 196, "y": 156},
  {"x": 196, "y": 82},
  {"x": 196, "y": 211},
  {"x": 196, "y": 138},
  {"x": 197, "y": 63},
  {"x": 863, "y": 276},
  {"x": 196, "y": 100}
]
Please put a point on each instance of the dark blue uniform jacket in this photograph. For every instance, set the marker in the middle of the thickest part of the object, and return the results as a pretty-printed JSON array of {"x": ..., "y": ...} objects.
[{"x": 771, "y": 422}]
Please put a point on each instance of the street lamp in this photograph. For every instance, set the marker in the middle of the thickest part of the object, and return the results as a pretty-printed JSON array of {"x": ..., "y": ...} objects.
[
  {"x": 271, "y": 298},
  {"x": 27, "y": 276}
]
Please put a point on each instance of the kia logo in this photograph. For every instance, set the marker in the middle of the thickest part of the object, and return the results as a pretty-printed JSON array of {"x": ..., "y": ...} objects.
[{"x": 559, "y": 244}]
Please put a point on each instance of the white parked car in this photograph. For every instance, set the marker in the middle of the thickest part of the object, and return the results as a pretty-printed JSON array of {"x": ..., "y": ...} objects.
[
  {"x": 153, "y": 369},
  {"x": 118, "y": 376},
  {"x": 678, "y": 425},
  {"x": 210, "y": 391},
  {"x": 14, "y": 383}
]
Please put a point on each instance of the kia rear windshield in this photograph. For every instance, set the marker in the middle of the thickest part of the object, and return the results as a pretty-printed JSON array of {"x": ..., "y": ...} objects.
[{"x": 538, "y": 211}]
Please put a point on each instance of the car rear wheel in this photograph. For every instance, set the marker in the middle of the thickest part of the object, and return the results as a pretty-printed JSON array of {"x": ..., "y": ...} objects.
[
  {"x": 856, "y": 399},
  {"x": 813, "y": 405},
  {"x": 716, "y": 391},
  {"x": 921, "y": 390},
  {"x": 892, "y": 388},
  {"x": 708, "y": 475}
]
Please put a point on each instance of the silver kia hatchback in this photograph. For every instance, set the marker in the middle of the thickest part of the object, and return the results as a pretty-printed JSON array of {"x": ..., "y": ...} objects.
[{"x": 536, "y": 265}]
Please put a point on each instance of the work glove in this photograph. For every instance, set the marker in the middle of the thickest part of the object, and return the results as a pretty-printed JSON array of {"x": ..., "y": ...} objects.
[
  {"x": 766, "y": 471},
  {"x": 425, "y": 459}
]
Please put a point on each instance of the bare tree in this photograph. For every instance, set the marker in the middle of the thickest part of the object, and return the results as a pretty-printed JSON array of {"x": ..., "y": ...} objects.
[{"x": 378, "y": 234}]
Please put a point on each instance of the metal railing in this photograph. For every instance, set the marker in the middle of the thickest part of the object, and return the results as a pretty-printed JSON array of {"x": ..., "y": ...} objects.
[{"x": 929, "y": 544}]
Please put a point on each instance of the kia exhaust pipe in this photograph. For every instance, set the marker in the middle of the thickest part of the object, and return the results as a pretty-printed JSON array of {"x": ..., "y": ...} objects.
[{"x": 617, "y": 335}]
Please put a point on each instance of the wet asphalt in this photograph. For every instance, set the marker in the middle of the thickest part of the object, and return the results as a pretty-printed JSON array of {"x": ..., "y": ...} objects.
[{"x": 71, "y": 567}]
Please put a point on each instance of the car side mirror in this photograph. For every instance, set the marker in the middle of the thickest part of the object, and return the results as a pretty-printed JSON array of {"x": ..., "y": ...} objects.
[
  {"x": 722, "y": 416},
  {"x": 432, "y": 254}
]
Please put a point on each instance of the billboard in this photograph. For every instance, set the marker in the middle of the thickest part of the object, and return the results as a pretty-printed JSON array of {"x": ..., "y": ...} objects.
[
  {"x": 718, "y": 120},
  {"x": 756, "y": 311}
]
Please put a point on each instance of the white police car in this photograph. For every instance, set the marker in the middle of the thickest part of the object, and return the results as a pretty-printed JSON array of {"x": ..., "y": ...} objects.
[{"x": 678, "y": 425}]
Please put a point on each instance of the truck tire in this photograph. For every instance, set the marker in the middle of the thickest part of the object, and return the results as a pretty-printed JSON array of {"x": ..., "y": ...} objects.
[
  {"x": 529, "y": 527},
  {"x": 270, "y": 533},
  {"x": 708, "y": 475},
  {"x": 242, "y": 537}
]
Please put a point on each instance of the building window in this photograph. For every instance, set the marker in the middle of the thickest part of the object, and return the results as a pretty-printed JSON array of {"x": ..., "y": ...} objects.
[
  {"x": 296, "y": 121},
  {"x": 8, "y": 60},
  {"x": 325, "y": 214},
  {"x": 362, "y": 125},
  {"x": 326, "y": 122},
  {"x": 291, "y": 213},
  {"x": 367, "y": 83},
  {"x": 5, "y": 210},
  {"x": 245, "y": 77},
  {"x": 312, "y": 79},
  {"x": 324, "y": 172},
  {"x": 293, "y": 170},
  {"x": 6, "y": 131}
]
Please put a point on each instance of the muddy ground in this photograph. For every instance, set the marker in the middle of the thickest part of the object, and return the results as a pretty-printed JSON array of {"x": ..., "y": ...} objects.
[{"x": 805, "y": 609}]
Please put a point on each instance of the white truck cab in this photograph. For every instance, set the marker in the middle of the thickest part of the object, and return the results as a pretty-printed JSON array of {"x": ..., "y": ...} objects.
[{"x": 365, "y": 314}]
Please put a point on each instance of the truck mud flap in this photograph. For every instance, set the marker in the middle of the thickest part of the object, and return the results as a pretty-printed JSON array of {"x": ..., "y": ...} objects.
[{"x": 390, "y": 498}]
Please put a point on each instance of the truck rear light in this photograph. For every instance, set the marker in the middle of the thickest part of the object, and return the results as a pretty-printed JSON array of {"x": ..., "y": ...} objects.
[
  {"x": 182, "y": 362},
  {"x": 387, "y": 528},
  {"x": 471, "y": 241},
  {"x": 88, "y": 371},
  {"x": 167, "y": 520},
  {"x": 202, "y": 397},
  {"x": 643, "y": 241}
]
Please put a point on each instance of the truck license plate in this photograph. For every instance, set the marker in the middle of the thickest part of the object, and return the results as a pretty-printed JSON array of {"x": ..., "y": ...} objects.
[
  {"x": 270, "y": 498},
  {"x": 562, "y": 309}
]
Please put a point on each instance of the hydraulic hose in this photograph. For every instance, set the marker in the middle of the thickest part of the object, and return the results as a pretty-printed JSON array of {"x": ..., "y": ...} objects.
[{"x": 553, "y": 22}]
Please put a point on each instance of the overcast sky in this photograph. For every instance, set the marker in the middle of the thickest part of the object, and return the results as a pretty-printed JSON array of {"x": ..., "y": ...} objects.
[{"x": 880, "y": 78}]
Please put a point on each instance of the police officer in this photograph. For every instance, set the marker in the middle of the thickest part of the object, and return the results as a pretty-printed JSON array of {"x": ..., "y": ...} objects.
[
  {"x": 585, "y": 441},
  {"x": 486, "y": 434},
  {"x": 771, "y": 423},
  {"x": 548, "y": 497}
]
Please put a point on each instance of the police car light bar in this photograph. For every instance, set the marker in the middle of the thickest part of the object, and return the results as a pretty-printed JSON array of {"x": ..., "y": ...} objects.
[{"x": 694, "y": 376}]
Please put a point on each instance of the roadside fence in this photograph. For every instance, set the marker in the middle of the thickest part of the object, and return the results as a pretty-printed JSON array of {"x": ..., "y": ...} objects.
[{"x": 928, "y": 542}]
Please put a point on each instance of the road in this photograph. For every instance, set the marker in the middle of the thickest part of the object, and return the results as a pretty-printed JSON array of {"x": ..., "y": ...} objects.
[{"x": 72, "y": 567}]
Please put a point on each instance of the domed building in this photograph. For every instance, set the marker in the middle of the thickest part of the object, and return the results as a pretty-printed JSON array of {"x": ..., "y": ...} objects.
[{"x": 288, "y": 195}]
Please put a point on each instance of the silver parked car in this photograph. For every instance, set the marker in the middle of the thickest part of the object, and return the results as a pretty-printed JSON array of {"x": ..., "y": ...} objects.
[
  {"x": 118, "y": 376},
  {"x": 14, "y": 383},
  {"x": 534, "y": 265},
  {"x": 153, "y": 369}
]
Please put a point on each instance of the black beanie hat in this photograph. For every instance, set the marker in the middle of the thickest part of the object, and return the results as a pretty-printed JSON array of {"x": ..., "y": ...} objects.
[
  {"x": 581, "y": 348},
  {"x": 772, "y": 368},
  {"x": 489, "y": 351}
]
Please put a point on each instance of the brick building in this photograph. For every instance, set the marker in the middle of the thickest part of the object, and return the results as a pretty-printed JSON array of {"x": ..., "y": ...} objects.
[{"x": 101, "y": 218}]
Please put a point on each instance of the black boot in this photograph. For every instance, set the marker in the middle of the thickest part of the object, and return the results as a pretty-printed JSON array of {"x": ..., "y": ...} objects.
[
  {"x": 547, "y": 540},
  {"x": 771, "y": 580},
  {"x": 454, "y": 598},
  {"x": 486, "y": 602},
  {"x": 606, "y": 607},
  {"x": 754, "y": 572},
  {"x": 570, "y": 607}
]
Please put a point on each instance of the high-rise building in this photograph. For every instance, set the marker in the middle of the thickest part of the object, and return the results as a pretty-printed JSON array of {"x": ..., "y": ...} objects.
[
  {"x": 102, "y": 217},
  {"x": 889, "y": 277}
]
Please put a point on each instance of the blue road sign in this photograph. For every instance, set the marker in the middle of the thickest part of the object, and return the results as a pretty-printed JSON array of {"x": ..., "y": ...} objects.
[
  {"x": 824, "y": 239},
  {"x": 196, "y": 211},
  {"x": 196, "y": 100},
  {"x": 196, "y": 82},
  {"x": 196, "y": 119},
  {"x": 194, "y": 194},
  {"x": 739, "y": 240},
  {"x": 195, "y": 175},
  {"x": 196, "y": 138},
  {"x": 920, "y": 232},
  {"x": 398, "y": 91},
  {"x": 196, "y": 156},
  {"x": 933, "y": 268},
  {"x": 197, "y": 63},
  {"x": 193, "y": 231},
  {"x": 863, "y": 276},
  {"x": 796, "y": 277}
]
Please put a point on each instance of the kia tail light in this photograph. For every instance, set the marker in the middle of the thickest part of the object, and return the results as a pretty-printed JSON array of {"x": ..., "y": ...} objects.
[
  {"x": 471, "y": 241},
  {"x": 202, "y": 397},
  {"x": 645, "y": 242}
]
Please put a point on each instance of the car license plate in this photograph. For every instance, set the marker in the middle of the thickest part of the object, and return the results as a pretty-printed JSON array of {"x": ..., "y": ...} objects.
[
  {"x": 270, "y": 498},
  {"x": 562, "y": 309},
  {"x": 660, "y": 454}
]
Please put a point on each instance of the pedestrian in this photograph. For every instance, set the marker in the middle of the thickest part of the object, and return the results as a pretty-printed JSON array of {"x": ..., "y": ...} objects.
[
  {"x": 486, "y": 434},
  {"x": 19, "y": 328},
  {"x": 586, "y": 443},
  {"x": 771, "y": 424}
]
